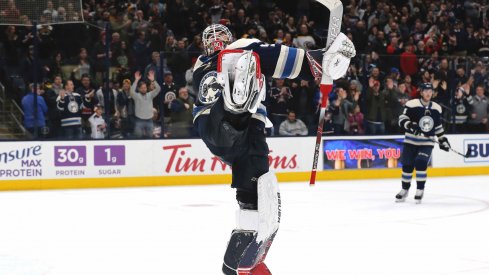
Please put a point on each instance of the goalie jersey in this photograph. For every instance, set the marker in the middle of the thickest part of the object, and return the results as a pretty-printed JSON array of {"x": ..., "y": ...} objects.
[
  {"x": 276, "y": 60},
  {"x": 427, "y": 117}
]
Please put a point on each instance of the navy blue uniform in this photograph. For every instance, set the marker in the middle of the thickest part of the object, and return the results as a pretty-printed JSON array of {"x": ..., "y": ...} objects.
[
  {"x": 239, "y": 139},
  {"x": 417, "y": 148}
]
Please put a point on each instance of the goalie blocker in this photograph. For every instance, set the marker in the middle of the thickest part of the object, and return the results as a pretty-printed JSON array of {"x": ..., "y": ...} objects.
[{"x": 255, "y": 231}]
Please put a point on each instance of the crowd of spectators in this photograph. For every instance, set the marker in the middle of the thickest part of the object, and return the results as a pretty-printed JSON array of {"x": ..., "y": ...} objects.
[{"x": 154, "y": 43}]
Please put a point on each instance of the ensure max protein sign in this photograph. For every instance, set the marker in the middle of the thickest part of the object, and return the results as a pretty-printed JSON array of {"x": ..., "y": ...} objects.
[{"x": 21, "y": 161}]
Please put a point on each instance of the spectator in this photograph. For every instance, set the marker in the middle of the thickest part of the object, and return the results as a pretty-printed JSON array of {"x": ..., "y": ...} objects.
[
  {"x": 460, "y": 76},
  {"x": 50, "y": 12},
  {"x": 70, "y": 105},
  {"x": 11, "y": 13},
  {"x": 376, "y": 108},
  {"x": 390, "y": 91},
  {"x": 157, "y": 131},
  {"x": 27, "y": 67},
  {"x": 461, "y": 38},
  {"x": 398, "y": 98},
  {"x": 290, "y": 26},
  {"x": 97, "y": 123},
  {"x": 54, "y": 66},
  {"x": 82, "y": 65},
  {"x": 154, "y": 66},
  {"x": 240, "y": 22},
  {"x": 125, "y": 108},
  {"x": 99, "y": 57},
  {"x": 462, "y": 101},
  {"x": 139, "y": 24},
  {"x": 181, "y": 115},
  {"x": 411, "y": 89},
  {"x": 441, "y": 94},
  {"x": 479, "y": 115},
  {"x": 12, "y": 46},
  {"x": 179, "y": 62},
  {"x": 53, "y": 120},
  {"x": 303, "y": 100},
  {"x": 304, "y": 40},
  {"x": 86, "y": 90},
  {"x": 100, "y": 94},
  {"x": 393, "y": 50},
  {"x": 195, "y": 48},
  {"x": 279, "y": 98},
  {"x": 28, "y": 108},
  {"x": 340, "y": 108},
  {"x": 379, "y": 44},
  {"x": 409, "y": 62},
  {"x": 355, "y": 122},
  {"x": 143, "y": 105},
  {"x": 293, "y": 126}
]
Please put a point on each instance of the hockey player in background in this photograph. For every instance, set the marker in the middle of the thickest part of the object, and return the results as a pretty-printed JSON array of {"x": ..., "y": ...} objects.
[
  {"x": 228, "y": 115},
  {"x": 421, "y": 119}
]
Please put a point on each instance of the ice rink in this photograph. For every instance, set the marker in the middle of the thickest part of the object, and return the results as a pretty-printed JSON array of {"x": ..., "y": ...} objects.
[{"x": 342, "y": 227}]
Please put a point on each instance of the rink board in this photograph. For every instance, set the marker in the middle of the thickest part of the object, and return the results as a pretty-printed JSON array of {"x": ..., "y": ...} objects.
[{"x": 117, "y": 163}]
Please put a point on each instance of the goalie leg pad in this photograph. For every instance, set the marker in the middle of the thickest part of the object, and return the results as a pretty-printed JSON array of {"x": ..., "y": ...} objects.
[
  {"x": 238, "y": 245},
  {"x": 255, "y": 229},
  {"x": 269, "y": 205},
  {"x": 269, "y": 213}
]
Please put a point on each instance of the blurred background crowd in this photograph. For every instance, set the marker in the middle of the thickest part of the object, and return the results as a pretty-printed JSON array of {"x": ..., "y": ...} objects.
[{"x": 399, "y": 44}]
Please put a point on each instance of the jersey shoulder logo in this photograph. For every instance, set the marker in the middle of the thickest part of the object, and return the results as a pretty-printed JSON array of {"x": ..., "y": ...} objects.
[
  {"x": 209, "y": 89},
  {"x": 426, "y": 123}
]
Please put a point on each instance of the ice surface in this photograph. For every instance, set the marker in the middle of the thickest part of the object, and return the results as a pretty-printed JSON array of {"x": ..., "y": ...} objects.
[{"x": 342, "y": 227}]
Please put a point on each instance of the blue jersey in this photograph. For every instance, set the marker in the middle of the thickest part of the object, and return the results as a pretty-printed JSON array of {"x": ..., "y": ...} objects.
[
  {"x": 276, "y": 60},
  {"x": 428, "y": 117}
]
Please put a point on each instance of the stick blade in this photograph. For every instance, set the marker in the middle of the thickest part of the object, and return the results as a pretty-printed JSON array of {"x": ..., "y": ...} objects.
[{"x": 335, "y": 17}]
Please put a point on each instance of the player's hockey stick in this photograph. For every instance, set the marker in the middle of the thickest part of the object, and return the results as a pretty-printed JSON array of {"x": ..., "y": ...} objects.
[
  {"x": 466, "y": 155},
  {"x": 334, "y": 27}
]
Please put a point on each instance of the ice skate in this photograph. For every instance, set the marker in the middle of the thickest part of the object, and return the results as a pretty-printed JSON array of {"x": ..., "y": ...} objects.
[
  {"x": 402, "y": 195},
  {"x": 418, "y": 196}
]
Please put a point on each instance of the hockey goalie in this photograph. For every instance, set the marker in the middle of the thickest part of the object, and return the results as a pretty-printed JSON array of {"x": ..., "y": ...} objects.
[{"x": 230, "y": 119}]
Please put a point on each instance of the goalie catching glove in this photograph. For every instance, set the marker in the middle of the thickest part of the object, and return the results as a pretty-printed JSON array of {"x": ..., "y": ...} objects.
[{"x": 335, "y": 61}]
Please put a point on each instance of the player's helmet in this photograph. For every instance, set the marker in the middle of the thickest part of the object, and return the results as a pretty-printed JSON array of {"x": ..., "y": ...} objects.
[{"x": 215, "y": 38}]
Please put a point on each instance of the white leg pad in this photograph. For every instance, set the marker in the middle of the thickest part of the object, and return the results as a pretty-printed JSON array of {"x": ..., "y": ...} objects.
[
  {"x": 269, "y": 206},
  {"x": 247, "y": 219}
]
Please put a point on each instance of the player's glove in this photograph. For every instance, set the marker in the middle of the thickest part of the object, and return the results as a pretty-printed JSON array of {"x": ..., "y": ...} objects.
[
  {"x": 336, "y": 60},
  {"x": 413, "y": 128},
  {"x": 444, "y": 144}
]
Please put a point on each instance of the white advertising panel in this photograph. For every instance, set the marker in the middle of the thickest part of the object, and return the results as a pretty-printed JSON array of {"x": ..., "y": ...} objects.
[
  {"x": 476, "y": 145},
  {"x": 136, "y": 158}
]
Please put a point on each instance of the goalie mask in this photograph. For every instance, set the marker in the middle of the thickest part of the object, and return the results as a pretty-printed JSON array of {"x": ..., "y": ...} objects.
[
  {"x": 215, "y": 38},
  {"x": 239, "y": 72}
]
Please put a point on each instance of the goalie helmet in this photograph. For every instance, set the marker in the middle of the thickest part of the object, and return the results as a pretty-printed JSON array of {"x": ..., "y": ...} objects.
[
  {"x": 240, "y": 74},
  {"x": 215, "y": 38}
]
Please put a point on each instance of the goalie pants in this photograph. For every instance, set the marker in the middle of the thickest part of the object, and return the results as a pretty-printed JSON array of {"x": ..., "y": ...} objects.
[{"x": 239, "y": 141}]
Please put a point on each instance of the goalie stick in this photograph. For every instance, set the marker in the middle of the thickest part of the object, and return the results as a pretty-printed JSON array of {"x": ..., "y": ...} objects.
[{"x": 335, "y": 8}]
